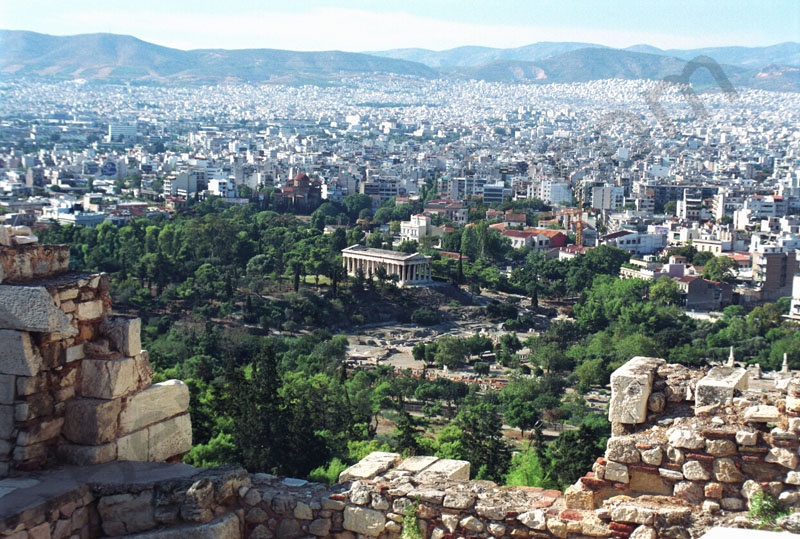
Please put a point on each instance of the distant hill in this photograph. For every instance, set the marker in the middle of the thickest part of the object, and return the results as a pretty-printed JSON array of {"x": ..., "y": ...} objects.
[
  {"x": 109, "y": 57},
  {"x": 116, "y": 57}
]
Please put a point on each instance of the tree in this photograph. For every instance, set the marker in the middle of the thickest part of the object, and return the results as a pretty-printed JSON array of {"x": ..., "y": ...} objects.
[
  {"x": 721, "y": 269},
  {"x": 481, "y": 441},
  {"x": 451, "y": 352},
  {"x": 664, "y": 291},
  {"x": 671, "y": 207}
]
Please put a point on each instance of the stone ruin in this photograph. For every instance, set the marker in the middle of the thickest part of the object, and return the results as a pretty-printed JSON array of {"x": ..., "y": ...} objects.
[{"x": 88, "y": 447}]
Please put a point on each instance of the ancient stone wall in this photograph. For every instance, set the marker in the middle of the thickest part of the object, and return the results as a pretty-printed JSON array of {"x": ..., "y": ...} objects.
[{"x": 75, "y": 385}]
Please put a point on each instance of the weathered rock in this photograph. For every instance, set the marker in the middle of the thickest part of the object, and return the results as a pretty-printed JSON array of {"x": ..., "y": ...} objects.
[
  {"x": 154, "y": 404},
  {"x": 303, "y": 512},
  {"x": 471, "y": 524},
  {"x": 123, "y": 514},
  {"x": 32, "y": 308},
  {"x": 496, "y": 529},
  {"x": 750, "y": 488},
  {"x": 670, "y": 475},
  {"x": 656, "y": 402},
  {"x": 792, "y": 478},
  {"x": 653, "y": 456},
  {"x": 364, "y": 521},
  {"x": 169, "y": 438},
  {"x": 720, "y": 448},
  {"x": 725, "y": 471},
  {"x": 746, "y": 438},
  {"x": 449, "y": 469},
  {"x": 643, "y": 532},
  {"x": 89, "y": 310},
  {"x": 685, "y": 438},
  {"x": 320, "y": 527},
  {"x": 732, "y": 504},
  {"x": 694, "y": 471},
  {"x": 617, "y": 472},
  {"x": 631, "y": 386},
  {"x": 124, "y": 333},
  {"x": 367, "y": 468},
  {"x": 622, "y": 449},
  {"x": 535, "y": 520},
  {"x": 719, "y": 385},
  {"x": 782, "y": 456},
  {"x": 134, "y": 446},
  {"x": 689, "y": 491},
  {"x": 108, "y": 378},
  {"x": 633, "y": 513},
  {"x": 91, "y": 421},
  {"x": 762, "y": 413},
  {"x": 17, "y": 354},
  {"x": 458, "y": 500},
  {"x": 713, "y": 490}
]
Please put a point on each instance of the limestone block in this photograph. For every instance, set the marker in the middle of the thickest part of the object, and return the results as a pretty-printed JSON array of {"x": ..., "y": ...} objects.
[
  {"x": 685, "y": 438},
  {"x": 792, "y": 403},
  {"x": 633, "y": 514},
  {"x": 725, "y": 471},
  {"x": 616, "y": 472},
  {"x": 720, "y": 448},
  {"x": 17, "y": 354},
  {"x": 782, "y": 456},
  {"x": 124, "y": 333},
  {"x": 134, "y": 446},
  {"x": 154, "y": 404},
  {"x": 762, "y": 413},
  {"x": 689, "y": 491},
  {"x": 746, "y": 438},
  {"x": 719, "y": 385},
  {"x": 535, "y": 520},
  {"x": 74, "y": 353},
  {"x": 670, "y": 475},
  {"x": 732, "y": 504},
  {"x": 622, "y": 449},
  {"x": 89, "y": 310},
  {"x": 694, "y": 471},
  {"x": 91, "y": 421},
  {"x": 631, "y": 385},
  {"x": 85, "y": 455},
  {"x": 32, "y": 308},
  {"x": 7, "y": 385},
  {"x": 416, "y": 464},
  {"x": 792, "y": 478},
  {"x": 364, "y": 521},
  {"x": 649, "y": 483},
  {"x": 450, "y": 469},
  {"x": 644, "y": 532},
  {"x": 41, "y": 432},
  {"x": 653, "y": 456},
  {"x": 123, "y": 514},
  {"x": 108, "y": 378},
  {"x": 370, "y": 466},
  {"x": 169, "y": 438}
]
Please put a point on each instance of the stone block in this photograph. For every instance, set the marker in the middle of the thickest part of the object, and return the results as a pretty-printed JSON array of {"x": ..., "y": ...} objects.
[
  {"x": 32, "y": 308},
  {"x": 746, "y": 438},
  {"x": 91, "y": 421},
  {"x": 622, "y": 449},
  {"x": 89, "y": 310},
  {"x": 124, "y": 333},
  {"x": 7, "y": 388},
  {"x": 762, "y": 413},
  {"x": 370, "y": 466},
  {"x": 616, "y": 472},
  {"x": 74, "y": 353},
  {"x": 416, "y": 464},
  {"x": 685, "y": 438},
  {"x": 450, "y": 469},
  {"x": 720, "y": 448},
  {"x": 108, "y": 378},
  {"x": 134, "y": 446},
  {"x": 364, "y": 521},
  {"x": 6, "y": 422},
  {"x": 648, "y": 483},
  {"x": 17, "y": 354},
  {"x": 535, "y": 520},
  {"x": 86, "y": 455},
  {"x": 719, "y": 385},
  {"x": 694, "y": 471},
  {"x": 154, "y": 404},
  {"x": 41, "y": 432},
  {"x": 783, "y": 456},
  {"x": 169, "y": 438},
  {"x": 725, "y": 471},
  {"x": 631, "y": 386},
  {"x": 123, "y": 514}
]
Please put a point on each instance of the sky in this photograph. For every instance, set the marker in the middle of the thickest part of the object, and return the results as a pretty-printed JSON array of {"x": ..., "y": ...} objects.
[{"x": 374, "y": 25}]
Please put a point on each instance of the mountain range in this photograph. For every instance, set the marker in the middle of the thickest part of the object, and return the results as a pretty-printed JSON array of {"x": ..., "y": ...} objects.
[{"x": 120, "y": 58}]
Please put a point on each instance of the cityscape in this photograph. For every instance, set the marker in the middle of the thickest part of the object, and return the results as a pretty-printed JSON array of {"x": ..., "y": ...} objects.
[{"x": 411, "y": 287}]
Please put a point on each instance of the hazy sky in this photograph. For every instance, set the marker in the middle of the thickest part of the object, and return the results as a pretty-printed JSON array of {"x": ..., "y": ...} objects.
[{"x": 362, "y": 25}]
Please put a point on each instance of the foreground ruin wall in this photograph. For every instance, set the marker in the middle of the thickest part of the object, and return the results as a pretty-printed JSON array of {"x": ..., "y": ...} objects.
[
  {"x": 84, "y": 437},
  {"x": 75, "y": 385}
]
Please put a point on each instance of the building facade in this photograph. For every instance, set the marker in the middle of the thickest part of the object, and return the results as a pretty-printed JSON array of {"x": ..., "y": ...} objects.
[{"x": 410, "y": 269}]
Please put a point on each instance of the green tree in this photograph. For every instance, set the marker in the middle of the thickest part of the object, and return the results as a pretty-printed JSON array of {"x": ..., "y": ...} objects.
[{"x": 720, "y": 268}]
